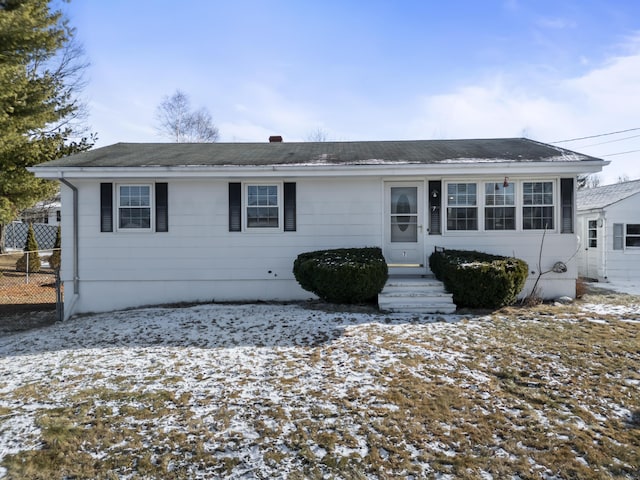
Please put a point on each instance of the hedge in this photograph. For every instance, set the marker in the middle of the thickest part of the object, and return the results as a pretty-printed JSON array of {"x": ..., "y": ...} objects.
[
  {"x": 477, "y": 279},
  {"x": 344, "y": 275}
]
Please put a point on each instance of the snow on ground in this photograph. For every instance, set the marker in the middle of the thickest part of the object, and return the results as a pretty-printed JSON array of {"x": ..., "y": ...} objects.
[
  {"x": 629, "y": 287},
  {"x": 243, "y": 370},
  {"x": 215, "y": 350}
]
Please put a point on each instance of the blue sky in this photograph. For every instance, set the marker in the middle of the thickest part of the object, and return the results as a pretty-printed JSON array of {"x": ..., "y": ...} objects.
[{"x": 371, "y": 70}]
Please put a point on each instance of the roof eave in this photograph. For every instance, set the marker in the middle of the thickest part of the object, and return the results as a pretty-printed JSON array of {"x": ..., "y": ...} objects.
[{"x": 500, "y": 168}]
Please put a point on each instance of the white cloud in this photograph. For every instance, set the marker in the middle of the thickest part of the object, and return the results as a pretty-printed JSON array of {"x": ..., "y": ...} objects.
[
  {"x": 556, "y": 23},
  {"x": 112, "y": 125},
  {"x": 602, "y": 100},
  {"x": 265, "y": 110}
]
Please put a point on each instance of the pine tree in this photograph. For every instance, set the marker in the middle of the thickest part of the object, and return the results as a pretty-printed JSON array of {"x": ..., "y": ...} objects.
[
  {"x": 54, "y": 259},
  {"x": 31, "y": 255},
  {"x": 39, "y": 79}
]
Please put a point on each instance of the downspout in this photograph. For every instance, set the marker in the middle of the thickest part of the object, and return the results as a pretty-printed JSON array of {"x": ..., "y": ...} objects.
[{"x": 76, "y": 276}]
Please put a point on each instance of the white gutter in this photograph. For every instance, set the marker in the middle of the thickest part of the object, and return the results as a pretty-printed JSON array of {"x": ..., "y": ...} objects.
[
  {"x": 76, "y": 276},
  {"x": 485, "y": 168}
]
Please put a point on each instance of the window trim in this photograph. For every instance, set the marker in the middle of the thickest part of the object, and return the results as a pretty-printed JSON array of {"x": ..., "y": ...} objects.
[
  {"x": 553, "y": 205},
  {"x": 626, "y": 236},
  {"x": 513, "y": 205},
  {"x": 481, "y": 205},
  {"x": 246, "y": 206},
  {"x": 592, "y": 233},
  {"x": 151, "y": 208},
  {"x": 288, "y": 208},
  {"x": 477, "y": 206}
]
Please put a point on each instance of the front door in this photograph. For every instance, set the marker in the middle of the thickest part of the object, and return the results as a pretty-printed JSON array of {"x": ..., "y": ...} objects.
[{"x": 404, "y": 237}]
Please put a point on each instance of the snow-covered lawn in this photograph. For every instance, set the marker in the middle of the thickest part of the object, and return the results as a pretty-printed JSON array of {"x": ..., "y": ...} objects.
[{"x": 287, "y": 391}]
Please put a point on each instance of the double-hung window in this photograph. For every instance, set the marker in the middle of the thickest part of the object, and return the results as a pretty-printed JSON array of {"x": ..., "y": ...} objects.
[
  {"x": 134, "y": 207},
  {"x": 137, "y": 207},
  {"x": 537, "y": 209},
  {"x": 632, "y": 237},
  {"x": 462, "y": 209},
  {"x": 263, "y": 206},
  {"x": 499, "y": 206},
  {"x": 593, "y": 233}
]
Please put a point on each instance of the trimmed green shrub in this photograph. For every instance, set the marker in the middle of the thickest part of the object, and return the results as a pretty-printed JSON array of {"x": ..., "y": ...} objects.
[
  {"x": 31, "y": 246},
  {"x": 479, "y": 280},
  {"x": 54, "y": 259},
  {"x": 344, "y": 275}
]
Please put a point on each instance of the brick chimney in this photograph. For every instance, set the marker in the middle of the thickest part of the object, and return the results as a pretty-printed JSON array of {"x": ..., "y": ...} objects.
[{"x": 275, "y": 139}]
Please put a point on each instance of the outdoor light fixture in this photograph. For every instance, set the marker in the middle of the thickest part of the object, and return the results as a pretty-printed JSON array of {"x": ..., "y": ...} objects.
[
  {"x": 434, "y": 194},
  {"x": 506, "y": 182}
]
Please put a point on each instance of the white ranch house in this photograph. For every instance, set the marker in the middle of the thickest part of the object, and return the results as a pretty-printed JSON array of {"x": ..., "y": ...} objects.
[
  {"x": 48, "y": 211},
  {"x": 609, "y": 224},
  {"x": 157, "y": 223}
]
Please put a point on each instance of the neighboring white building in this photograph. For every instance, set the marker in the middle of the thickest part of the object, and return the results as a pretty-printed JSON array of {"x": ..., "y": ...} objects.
[
  {"x": 609, "y": 225},
  {"x": 47, "y": 211},
  {"x": 158, "y": 223}
]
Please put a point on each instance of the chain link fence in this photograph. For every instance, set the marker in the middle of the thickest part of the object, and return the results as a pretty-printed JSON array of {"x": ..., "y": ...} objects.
[
  {"x": 21, "y": 286},
  {"x": 16, "y": 235}
]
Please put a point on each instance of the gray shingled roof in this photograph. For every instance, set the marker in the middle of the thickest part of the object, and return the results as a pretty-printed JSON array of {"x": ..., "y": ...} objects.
[
  {"x": 318, "y": 153},
  {"x": 606, "y": 195}
]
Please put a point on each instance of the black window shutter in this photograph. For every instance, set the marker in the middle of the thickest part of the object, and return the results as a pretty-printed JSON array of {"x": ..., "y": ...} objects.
[
  {"x": 235, "y": 207},
  {"x": 289, "y": 207},
  {"x": 106, "y": 207},
  {"x": 435, "y": 203},
  {"x": 162, "y": 207},
  {"x": 566, "y": 205}
]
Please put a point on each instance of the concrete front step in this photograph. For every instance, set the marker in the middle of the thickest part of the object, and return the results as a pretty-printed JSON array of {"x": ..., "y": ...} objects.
[
  {"x": 419, "y": 308},
  {"x": 415, "y": 294}
]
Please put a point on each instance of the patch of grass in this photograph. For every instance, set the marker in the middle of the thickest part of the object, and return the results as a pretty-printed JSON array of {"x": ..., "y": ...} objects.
[{"x": 533, "y": 392}]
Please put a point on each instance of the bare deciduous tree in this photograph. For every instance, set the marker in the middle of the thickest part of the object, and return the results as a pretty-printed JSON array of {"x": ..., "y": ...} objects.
[
  {"x": 588, "y": 181},
  {"x": 623, "y": 178},
  {"x": 318, "y": 135},
  {"x": 177, "y": 121}
]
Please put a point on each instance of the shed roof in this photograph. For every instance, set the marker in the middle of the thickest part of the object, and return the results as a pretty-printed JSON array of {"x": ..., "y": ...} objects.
[
  {"x": 601, "y": 197},
  {"x": 319, "y": 153}
]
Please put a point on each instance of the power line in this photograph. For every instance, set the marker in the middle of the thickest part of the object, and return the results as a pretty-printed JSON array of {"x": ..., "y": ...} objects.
[
  {"x": 619, "y": 153},
  {"x": 596, "y": 136},
  {"x": 610, "y": 141}
]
